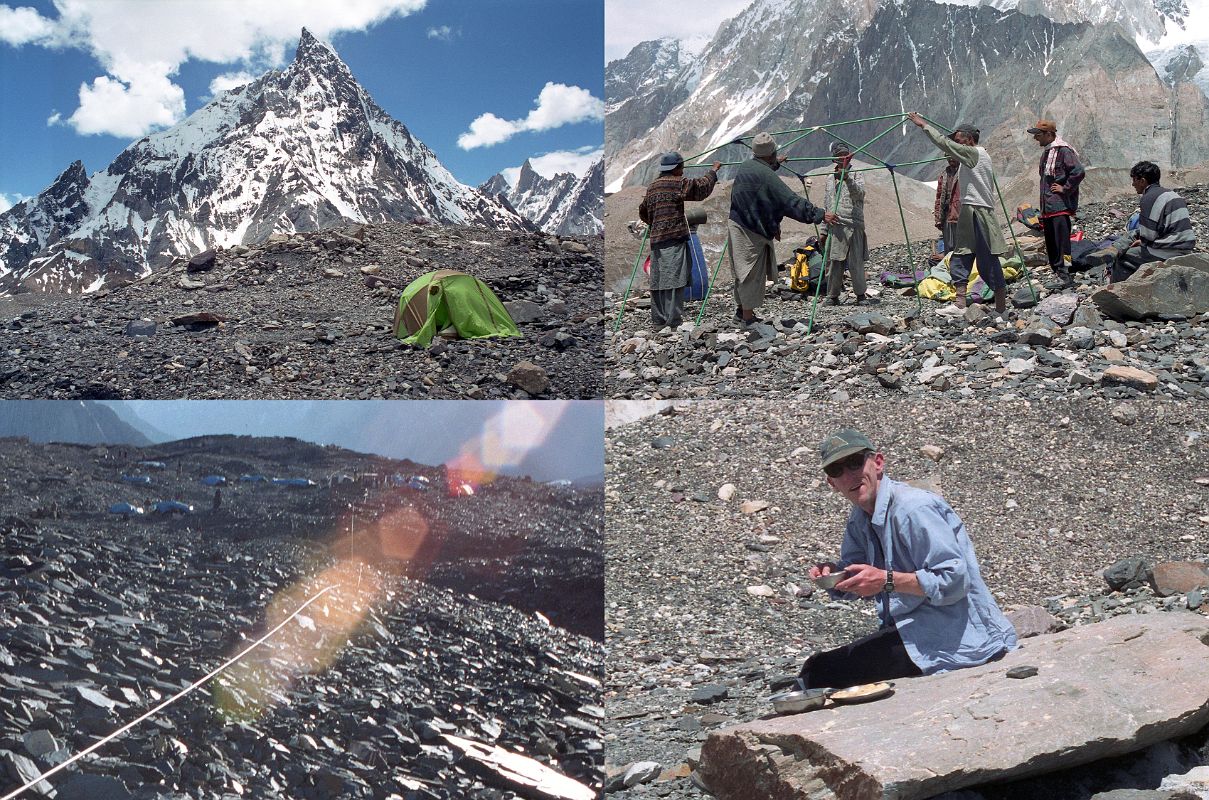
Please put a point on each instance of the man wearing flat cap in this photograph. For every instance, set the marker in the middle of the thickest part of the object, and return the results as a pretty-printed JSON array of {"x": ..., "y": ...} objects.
[
  {"x": 663, "y": 210},
  {"x": 1060, "y": 173},
  {"x": 978, "y": 235},
  {"x": 759, "y": 200},
  {"x": 908, "y": 551},
  {"x": 847, "y": 248}
]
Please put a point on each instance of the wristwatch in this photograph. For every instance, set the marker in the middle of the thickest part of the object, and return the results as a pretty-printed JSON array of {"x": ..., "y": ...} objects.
[{"x": 889, "y": 585}]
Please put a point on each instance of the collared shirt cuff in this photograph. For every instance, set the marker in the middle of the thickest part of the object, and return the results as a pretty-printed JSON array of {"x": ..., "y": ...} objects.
[{"x": 930, "y": 585}]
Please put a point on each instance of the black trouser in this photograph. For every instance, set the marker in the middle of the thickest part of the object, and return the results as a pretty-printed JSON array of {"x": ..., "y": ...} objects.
[
  {"x": 877, "y": 657},
  {"x": 989, "y": 268},
  {"x": 1057, "y": 241},
  {"x": 1130, "y": 261}
]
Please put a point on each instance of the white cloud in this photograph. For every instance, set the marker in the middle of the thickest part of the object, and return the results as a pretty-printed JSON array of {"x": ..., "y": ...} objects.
[
  {"x": 23, "y": 25},
  {"x": 511, "y": 174},
  {"x": 230, "y": 80},
  {"x": 444, "y": 33},
  {"x": 54, "y": 119},
  {"x": 628, "y": 22},
  {"x": 577, "y": 161},
  {"x": 140, "y": 60},
  {"x": 128, "y": 108},
  {"x": 557, "y": 105},
  {"x": 7, "y": 202}
]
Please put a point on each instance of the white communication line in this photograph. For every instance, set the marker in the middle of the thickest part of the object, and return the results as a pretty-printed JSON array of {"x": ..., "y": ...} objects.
[{"x": 170, "y": 700}]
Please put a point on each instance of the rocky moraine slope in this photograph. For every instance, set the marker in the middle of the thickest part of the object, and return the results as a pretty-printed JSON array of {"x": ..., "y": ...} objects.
[{"x": 105, "y": 614}]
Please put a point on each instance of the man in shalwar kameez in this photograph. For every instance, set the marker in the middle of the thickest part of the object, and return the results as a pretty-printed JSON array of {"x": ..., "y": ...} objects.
[
  {"x": 847, "y": 248},
  {"x": 978, "y": 234},
  {"x": 759, "y": 200},
  {"x": 663, "y": 210}
]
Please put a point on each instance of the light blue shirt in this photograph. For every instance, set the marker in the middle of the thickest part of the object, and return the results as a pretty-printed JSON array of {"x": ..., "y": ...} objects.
[{"x": 957, "y": 622}]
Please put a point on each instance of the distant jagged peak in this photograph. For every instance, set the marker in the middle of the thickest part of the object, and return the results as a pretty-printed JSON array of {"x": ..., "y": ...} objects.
[
  {"x": 75, "y": 173},
  {"x": 312, "y": 49},
  {"x": 527, "y": 178}
]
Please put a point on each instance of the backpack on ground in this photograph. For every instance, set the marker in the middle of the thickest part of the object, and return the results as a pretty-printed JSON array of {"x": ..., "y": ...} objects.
[
  {"x": 807, "y": 267},
  {"x": 1028, "y": 215}
]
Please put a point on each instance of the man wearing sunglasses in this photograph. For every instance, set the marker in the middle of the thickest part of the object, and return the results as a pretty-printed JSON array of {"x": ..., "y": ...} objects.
[{"x": 906, "y": 549}]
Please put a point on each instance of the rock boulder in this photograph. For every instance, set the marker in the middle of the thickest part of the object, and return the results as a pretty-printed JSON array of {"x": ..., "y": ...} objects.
[
  {"x": 1101, "y": 691},
  {"x": 1177, "y": 287}
]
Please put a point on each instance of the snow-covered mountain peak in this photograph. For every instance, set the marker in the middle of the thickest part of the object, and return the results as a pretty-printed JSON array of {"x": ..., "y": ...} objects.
[{"x": 294, "y": 150}]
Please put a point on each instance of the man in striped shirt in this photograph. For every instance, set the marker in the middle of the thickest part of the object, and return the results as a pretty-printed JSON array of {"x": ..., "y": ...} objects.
[
  {"x": 663, "y": 209},
  {"x": 1164, "y": 229}
]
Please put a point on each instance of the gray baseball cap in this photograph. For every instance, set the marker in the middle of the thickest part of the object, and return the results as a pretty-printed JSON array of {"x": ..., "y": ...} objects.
[
  {"x": 669, "y": 161},
  {"x": 842, "y": 444}
]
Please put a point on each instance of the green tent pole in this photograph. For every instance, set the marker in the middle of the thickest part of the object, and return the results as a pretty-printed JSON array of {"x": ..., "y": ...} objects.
[
  {"x": 633, "y": 275},
  {"x": 1015, "y": 242},
  {"x": 919, "y": 304},
  {"x": 712, "y": 278}
]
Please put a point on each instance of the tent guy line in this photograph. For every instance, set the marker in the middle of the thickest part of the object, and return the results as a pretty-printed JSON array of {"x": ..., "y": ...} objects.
[{"x": 196, "y": 684}]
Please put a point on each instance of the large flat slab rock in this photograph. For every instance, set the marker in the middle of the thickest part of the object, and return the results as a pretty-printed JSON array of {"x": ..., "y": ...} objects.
[
  {"x": 1178, "y": 286},
  {"x": 1101, "y": 690}
]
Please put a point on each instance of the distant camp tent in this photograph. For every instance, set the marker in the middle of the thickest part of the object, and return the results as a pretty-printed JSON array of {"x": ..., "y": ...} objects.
[
  {"x": 127, "y": 509},
  {"x": 171, "y": 507},
  {"x": 450, "y": 299},
  {"x": 303, "y": 482}
]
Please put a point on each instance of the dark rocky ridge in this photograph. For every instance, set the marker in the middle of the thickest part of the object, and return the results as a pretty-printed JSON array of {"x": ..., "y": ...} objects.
[
  {"x": 310, "y": 316},
  {"x": 1052, "y": 494},
  {"x": 166, "y": 599}
]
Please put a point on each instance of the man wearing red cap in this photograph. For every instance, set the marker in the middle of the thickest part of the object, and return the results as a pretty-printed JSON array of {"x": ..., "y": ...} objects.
[{"x": 1061, "y": 173}]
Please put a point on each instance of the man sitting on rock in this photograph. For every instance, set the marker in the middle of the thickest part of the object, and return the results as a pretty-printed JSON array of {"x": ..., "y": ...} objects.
[
  {"x": 1164, "y": 229},
  {"x": 909, "y": 549}
]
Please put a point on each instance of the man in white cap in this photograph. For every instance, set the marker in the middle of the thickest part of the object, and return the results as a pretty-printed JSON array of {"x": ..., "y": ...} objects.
[
  {"x": 759, "y": 200},
  {"x": 663, "y": 210},
  {"x": 847, "y": 247},
  {"x": 978, "y": 234},
  {"x": 909, "y": 549}
]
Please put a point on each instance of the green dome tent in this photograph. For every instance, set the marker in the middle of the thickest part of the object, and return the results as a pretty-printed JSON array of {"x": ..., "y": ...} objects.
[{"x": 448, "y": 298}]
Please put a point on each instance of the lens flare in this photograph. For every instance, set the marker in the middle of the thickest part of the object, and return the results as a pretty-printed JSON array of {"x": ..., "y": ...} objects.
[
  {"x": 392, "y": 540},
  {"x": 508, "y": 436},
  {"x": 309, "y": 645},
  {"x": 402, "y": 535}
]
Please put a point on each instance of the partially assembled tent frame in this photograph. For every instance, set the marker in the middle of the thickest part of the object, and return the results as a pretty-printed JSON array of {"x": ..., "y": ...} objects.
[{"x": 799, "y": 134}]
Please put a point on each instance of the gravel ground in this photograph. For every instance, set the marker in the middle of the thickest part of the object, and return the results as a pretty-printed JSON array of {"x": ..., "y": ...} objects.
[
  {"x": 913, "y": 346},
  {"x": 1051, "y": 493},
  {"x": 310, "y": 317}
]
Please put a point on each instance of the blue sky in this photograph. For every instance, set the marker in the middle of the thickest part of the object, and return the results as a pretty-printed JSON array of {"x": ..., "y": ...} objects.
[{"x": 484, "y": 83}]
